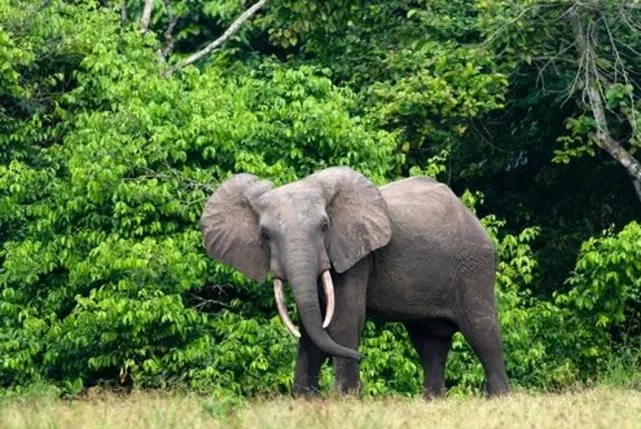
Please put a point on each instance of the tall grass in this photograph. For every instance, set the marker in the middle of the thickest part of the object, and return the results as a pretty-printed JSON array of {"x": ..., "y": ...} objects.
[{"x": 598, "y": 408}]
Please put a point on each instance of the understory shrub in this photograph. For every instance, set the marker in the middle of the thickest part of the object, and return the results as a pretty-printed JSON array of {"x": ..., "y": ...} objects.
[{"x": 105, "y": 165}]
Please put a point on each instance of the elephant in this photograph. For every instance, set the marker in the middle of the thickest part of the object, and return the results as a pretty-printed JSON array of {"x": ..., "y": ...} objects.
[{"x": 409, "y": 251}]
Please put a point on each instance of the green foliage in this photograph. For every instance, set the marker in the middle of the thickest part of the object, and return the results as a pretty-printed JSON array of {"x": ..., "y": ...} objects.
[
  {"x": 537, "y": 159},
  {"x": 105, "y": 165},
  {"x": 102, "y": 265},
  {"x": 392, "y": 365},
  {"x": 606, "y": 282},
  {"x": 415, "y": 67},
  {"x": 622, "y": 370}
]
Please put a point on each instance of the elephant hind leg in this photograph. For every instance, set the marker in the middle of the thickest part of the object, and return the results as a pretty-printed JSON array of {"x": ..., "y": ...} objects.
[
  {"x": 478, "y": 318},
  {"x": 433, "y": 348},
  {"x": 483, "y": 335}
]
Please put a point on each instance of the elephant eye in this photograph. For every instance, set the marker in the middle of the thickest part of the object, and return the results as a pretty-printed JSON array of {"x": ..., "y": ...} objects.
[
  {"x": 264, "y": 235},
  {"x": 324, "y": 226}
]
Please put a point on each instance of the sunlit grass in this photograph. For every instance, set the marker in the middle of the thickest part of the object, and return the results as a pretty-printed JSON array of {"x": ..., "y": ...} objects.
[{"x": 597, "y": 408}]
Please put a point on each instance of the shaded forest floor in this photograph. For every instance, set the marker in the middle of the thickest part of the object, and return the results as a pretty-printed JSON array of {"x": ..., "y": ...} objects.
[{"x": 594, "y": 408}]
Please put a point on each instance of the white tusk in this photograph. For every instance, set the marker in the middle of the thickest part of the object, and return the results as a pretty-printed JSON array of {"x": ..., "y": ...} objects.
[
  {"x": 328, "y": 288},
  {"x": 282, "y": 309}
]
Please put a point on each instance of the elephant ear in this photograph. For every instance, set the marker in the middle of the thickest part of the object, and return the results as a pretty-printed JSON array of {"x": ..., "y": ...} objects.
[
  {"x": 359, "y": 223},
  {"x": 230, "y": 225}
]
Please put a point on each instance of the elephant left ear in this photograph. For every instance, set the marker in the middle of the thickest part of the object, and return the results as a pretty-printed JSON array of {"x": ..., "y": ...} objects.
[
  {"x": 359, "y": 223},
  {"x": 229, "y": 225}
]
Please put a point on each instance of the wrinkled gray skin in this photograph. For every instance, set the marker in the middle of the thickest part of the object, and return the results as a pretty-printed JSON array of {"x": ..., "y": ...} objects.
[{"x": 409, "y": 251}]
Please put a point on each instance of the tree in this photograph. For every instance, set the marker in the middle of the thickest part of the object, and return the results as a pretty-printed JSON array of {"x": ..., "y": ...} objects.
[
  {"x": 597, "y": 61},
  {"x": 105, "y": 165}
]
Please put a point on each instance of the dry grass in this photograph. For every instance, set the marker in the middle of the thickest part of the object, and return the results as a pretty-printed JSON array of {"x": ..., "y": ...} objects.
[{"x": 600, "y": 408}]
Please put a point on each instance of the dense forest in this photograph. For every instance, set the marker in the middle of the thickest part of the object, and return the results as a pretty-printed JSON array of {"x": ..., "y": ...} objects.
[{"x": 119, "y": 117}]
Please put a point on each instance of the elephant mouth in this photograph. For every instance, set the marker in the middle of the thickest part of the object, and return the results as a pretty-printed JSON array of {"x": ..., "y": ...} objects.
[{"x": 328, "y": 290}]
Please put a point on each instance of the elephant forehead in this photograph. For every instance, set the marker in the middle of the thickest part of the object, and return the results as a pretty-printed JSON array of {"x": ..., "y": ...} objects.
[{"x": 292, "y": 203}]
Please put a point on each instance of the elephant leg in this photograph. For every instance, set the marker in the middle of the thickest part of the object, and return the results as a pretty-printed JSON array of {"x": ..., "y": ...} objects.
[
  {"x": 483, "y": 335},
  {"x": 348, "y": 322},
  {"x": 432, "y": 349},
  {"x": 308, "y": 365},
  {"x": 348, "y": 334}
]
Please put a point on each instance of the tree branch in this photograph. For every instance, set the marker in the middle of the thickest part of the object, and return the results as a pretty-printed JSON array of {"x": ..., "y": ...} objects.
[
  {"x": 202, "y": 302},
  {"x": 637, "y": 187},
  {"x": 222, "y": 39},
  {"x": 123, "y": 12},
  {"x": 605, "y": 140},
  {"x": 595, "y": 101},
  {"x": 169, "y": 31},
  {"x": 146, "y": 15}
]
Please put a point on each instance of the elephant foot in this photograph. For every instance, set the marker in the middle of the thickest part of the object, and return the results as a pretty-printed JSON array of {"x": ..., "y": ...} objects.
[
  {"x": 496, "y": 388},
  {"x": 433, "y": 394},
  {"x": 499, "y": 392},
  {"x": 354, "y": 392},
  {"x": 306, "y": 392}
]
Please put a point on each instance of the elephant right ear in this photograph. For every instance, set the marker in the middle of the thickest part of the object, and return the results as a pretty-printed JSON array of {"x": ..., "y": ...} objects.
[{"x": 230, "y": 225}]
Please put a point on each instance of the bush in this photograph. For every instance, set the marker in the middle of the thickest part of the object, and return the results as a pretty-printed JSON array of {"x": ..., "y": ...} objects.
[
  {"x": 606, "y": 282},
  {"x": 103, "y": 273},
  {"x": 104, "y": 168}
]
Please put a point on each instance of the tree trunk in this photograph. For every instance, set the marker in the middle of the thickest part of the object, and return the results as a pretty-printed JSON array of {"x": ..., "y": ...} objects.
[
  {"x": 637, "y": 187},
  {"x": 123, "y": 12},
  {"x": 604, "y": 138},
  {"x": 595, "y": 101},
  {"x": 146, "y": 15}
]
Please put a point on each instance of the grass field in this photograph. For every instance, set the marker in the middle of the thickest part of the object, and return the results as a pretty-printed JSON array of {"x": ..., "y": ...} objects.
[{"x": 598, "y": 408}]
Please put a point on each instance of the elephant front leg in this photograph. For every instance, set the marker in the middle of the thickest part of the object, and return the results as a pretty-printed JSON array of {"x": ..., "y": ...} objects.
[
  {"x": 308, "y": 364},
  {"x": 348, "y": 322},
  {"x": 348, "y": 379}
]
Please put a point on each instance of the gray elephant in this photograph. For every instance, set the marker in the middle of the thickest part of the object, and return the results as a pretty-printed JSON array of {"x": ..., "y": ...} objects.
[{"x": 409, "y": 251}]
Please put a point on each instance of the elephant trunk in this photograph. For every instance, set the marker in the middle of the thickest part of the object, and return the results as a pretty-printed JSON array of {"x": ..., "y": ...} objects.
[{"x": 303, "y": 279}]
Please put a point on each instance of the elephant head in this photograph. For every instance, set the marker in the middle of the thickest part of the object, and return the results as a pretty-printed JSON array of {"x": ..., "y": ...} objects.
[{"x": 332, "y": 218}]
